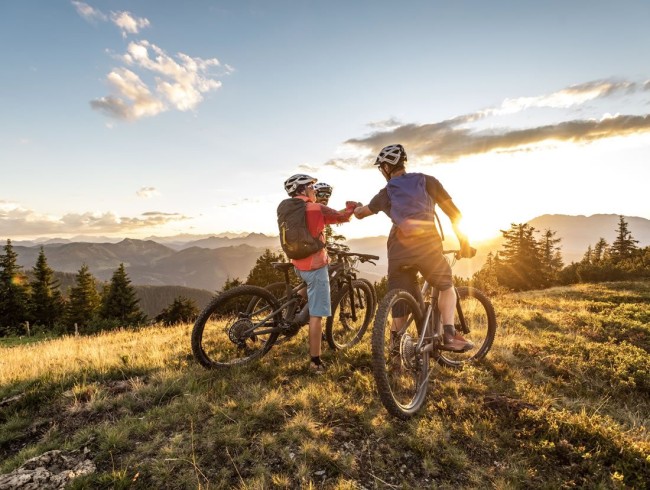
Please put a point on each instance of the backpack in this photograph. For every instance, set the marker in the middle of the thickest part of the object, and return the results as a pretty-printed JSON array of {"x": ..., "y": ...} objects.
[
  {"x": 295, "y": 239},
  {"x": 411, "y": 207}
]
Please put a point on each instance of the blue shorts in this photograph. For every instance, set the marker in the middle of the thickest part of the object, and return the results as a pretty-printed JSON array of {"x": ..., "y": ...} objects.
[{"x": 318, "y": 291}]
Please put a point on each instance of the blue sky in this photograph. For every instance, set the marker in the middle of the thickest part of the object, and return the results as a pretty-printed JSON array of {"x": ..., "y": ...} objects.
[{"x": 157, "y": 118}]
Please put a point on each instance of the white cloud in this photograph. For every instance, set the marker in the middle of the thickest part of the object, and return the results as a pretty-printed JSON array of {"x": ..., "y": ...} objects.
[
  {"x": 128, "y": 23},
  {"x": 16, "y": 221},
  {"x": 147, "y": 192},
  {"x": 565, "y": 98},
  {"x": 179, "y": 83},
  {"x": 87, "y": 12}
]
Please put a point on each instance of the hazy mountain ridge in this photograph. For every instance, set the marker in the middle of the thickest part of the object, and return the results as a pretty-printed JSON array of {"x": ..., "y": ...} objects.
[{"x": 206, "y": 262}]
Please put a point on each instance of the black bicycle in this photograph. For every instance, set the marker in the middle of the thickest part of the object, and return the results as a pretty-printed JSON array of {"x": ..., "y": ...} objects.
[
  {"x": 400, "y": 360},
  {"x": 243, "y": 323}
]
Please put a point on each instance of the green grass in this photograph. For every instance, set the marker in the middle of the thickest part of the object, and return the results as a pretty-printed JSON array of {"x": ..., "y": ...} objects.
[{"x": 563, "y": 400}]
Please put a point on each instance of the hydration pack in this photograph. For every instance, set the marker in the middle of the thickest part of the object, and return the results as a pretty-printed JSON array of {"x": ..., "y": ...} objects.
[
  {"x": 411, "y": 207},
  {"x": 295, "y": 239}
]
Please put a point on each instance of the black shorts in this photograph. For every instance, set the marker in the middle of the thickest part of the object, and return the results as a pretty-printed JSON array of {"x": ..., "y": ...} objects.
[{"x": 433, "y": 266}]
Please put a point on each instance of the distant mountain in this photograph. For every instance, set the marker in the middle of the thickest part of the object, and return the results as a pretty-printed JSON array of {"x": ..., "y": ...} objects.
[
  {"x": 578, "y": 232},
  {"x": 205, "y": 263},
  {"x": 252, "y": 239},
  {"x": 148, "y": 262}
]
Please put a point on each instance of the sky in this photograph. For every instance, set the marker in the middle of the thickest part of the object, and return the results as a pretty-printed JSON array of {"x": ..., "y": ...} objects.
[{"x": 158, "y": 118}]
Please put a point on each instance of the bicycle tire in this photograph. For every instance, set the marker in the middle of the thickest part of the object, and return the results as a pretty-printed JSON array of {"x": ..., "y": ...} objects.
[
  {"x": 372, "y": 288},
  {"x": 401, "y": 377},
  {"x": 278, "y": 289},
  {"x": 481, "y": 320},
  {"x": 220, "y": 337},
  {"x": 341, "y": 331}
]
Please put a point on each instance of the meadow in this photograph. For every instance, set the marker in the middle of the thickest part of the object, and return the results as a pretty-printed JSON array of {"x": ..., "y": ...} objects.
[{"x": 562, "y": 401}]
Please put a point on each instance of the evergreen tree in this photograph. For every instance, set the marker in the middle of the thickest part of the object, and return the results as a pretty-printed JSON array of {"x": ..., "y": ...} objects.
[
  {"x": 551, "y": 256},
  {"x": 263, "y": 273},
  {"x": 230, "y": 283},
  {"x": 14, "y": 294},
  {"x": 587, "y": 258},
  {"x": 83, "y": 301},
  {"x": 181, "y": 310},
  {"x": 486, "y": 278},
  {"x": 521, "y": 259},
  {"x": 600, "y": 250},
  {"x": 624, "y": 245},
  {"x": 46, "y": 301},
  {"x": 120, "y": 302}
]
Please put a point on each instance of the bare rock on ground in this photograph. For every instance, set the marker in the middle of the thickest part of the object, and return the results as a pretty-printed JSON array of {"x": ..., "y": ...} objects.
[{"x": 50, "y": 470}]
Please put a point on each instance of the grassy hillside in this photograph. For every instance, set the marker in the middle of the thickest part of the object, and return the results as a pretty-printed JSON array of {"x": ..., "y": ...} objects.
[{"x": 563, "y": 400}]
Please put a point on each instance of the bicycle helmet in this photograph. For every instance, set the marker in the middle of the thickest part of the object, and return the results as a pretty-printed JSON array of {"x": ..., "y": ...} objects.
[
  {"x": 323, "y": 190},
  {"x": 393, "y": 155},
  {"x": 292, "y": 183}
]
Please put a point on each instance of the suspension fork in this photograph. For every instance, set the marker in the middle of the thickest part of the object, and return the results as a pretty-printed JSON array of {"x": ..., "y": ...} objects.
[
  {"x": 461, "y": 317},
  {"x": 353, "y": 307}
]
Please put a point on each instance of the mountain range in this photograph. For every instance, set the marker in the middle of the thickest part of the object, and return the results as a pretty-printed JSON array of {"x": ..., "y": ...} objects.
[{"x": 207, "y": 262}]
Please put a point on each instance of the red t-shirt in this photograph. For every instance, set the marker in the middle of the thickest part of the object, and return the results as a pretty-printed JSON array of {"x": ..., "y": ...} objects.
[{"x": 318, "y": 216}]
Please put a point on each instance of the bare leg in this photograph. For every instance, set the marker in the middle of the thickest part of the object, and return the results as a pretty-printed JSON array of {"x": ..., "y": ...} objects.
[
  {"x": 447, "y": 305},
  {"x": 315, "y": 335}
]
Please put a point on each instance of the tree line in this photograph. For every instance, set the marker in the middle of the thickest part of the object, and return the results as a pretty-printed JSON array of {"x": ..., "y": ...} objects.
[
  {"x": 530, "y": 259},
  {"x": 38, "y": 304}
]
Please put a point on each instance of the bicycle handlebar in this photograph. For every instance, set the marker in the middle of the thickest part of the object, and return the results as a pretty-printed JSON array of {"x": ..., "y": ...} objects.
[{"x": 361, "y": 257}]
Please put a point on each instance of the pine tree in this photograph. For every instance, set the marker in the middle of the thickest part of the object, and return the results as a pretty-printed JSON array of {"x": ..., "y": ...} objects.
[
  {"x": 14, "y": 294},
  {"x": 181, "y": 310},
  {"x": 551, "y": 256},
  {"x": 83, "y": 301},
  {"x": 263, "y": 273},
  {"x": 521, "y": 260},
  {"x": 120, "y": 302},
  {"x": 624, "y": 245},
  {"x": 588, "y": 257},
  {"x": 600, "y": 251},
  {"x": 47, "y": 304}
]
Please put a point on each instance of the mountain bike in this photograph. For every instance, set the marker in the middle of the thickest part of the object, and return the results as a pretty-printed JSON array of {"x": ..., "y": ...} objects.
[
  {"x": 401, "y": 362},
  {"x": 243, "y": 323}
]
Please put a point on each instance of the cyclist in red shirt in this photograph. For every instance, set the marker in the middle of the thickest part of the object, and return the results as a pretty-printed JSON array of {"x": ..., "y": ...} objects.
[{"x": 313, "y": 269}]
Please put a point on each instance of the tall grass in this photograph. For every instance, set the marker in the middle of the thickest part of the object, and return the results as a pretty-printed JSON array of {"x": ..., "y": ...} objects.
[{"x": 562, "y": 400}]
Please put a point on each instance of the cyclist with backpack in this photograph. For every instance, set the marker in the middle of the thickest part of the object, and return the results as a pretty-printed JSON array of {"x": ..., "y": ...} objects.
[
  {"x": 301, "y": 221},
  {"x": 409, "y": 200}
]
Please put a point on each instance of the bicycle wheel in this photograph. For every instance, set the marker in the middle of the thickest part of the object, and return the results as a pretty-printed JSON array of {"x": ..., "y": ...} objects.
[
  {"x": 342, "y": 330},
  {"x": 278, "y": 289},
  {"x": 481, "y": 325},
  {"x": 238, "y": 326},
  {"x": 372, "y": 288},
  {"x": 401, "y": 373}
]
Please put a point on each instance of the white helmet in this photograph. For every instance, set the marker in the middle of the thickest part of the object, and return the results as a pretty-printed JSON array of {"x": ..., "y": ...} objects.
[
  {"x": 394, "y": 155},
  {"x": 292, "y": 183},
  {"x": 323, "y": 190}
]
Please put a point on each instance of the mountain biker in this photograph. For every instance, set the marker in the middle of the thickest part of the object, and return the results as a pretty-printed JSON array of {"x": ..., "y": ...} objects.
[
  {"x": 323, "y": 192},
  {"x": 409, "y": 199},
  {"x": 313, "y": 269}
]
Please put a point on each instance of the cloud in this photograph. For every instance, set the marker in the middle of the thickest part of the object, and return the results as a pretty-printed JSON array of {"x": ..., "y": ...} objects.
[
  {"x": 455, "y": 138},
  {"x": 89, "y": 13},
  {"x": 18, "y": 221},
  {"x": 567, "y": 97},
  {"x": 128, "y": 23},
  {"x": 448, "y": 142},
  {"x": 179, "y": 83},
  {"x": 147, "y": 192}
]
